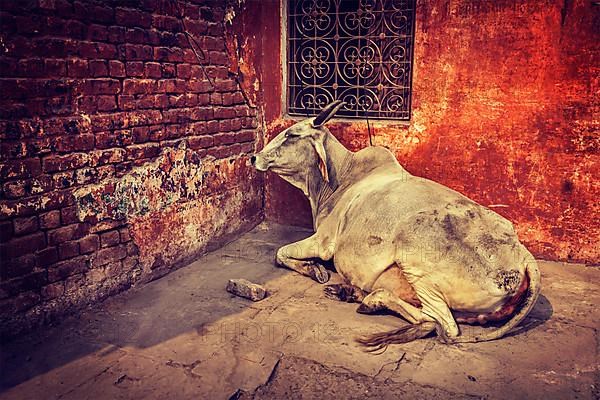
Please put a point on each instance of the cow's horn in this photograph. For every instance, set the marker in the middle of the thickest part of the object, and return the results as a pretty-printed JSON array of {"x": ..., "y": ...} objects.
[{"x": 327, "y": 113}]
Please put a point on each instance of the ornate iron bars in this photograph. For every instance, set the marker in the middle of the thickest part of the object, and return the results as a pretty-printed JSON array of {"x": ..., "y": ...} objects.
[{"x": 358, "y": 51}]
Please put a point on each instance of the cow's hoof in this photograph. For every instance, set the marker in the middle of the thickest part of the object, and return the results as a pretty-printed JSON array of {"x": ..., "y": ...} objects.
[
  {"x": 319, "y": 274},
  {"x": 343, "y": 292},
  {"x": 365, "y": 309},
  {"x": 335, "y": 292}
]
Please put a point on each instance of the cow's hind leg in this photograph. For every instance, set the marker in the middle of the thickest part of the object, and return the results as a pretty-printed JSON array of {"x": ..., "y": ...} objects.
[
  {"x": 300, "y": 256},
  {"x": 436, "y": 308},
  {"x": 345, "y": 292},
  {"x": 421, "y": 324},
  {"x": 382, "y": 299}
]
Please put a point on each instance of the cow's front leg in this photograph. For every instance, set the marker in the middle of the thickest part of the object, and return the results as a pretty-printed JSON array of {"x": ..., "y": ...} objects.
[{"x": 300, "y": 256}]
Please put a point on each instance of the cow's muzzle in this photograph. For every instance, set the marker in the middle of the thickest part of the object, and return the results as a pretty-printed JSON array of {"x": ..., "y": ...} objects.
[{"x": 259, "y": 162}]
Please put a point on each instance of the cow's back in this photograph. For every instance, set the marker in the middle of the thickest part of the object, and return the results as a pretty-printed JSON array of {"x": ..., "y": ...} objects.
[{"x": 387, "y": 215}]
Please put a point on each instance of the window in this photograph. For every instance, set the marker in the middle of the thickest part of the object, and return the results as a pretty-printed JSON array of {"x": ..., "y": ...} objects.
[{"x": 358, "y": 51}]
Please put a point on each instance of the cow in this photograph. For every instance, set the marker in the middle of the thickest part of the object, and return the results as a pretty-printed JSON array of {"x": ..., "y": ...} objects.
[{"x": 400, "y": 242}]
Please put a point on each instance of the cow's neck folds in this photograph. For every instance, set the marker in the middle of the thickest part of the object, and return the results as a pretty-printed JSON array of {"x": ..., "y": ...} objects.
[{"x": 339, "y": 161}]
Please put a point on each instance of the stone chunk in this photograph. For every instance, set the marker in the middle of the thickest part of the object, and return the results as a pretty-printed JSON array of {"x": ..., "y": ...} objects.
[{"x": 247, "y": 289}]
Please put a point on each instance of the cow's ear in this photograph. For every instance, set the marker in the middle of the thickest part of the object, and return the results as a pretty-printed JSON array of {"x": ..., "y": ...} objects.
[
  {"x": 318, "y": 142},
  {"x": 327, "y": 113}
]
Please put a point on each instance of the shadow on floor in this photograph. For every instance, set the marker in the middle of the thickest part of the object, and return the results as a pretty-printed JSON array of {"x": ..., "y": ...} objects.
[{"x": 184, "y": 301}]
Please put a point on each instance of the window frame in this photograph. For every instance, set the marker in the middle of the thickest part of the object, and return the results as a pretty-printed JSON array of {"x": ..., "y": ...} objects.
[{"x": 283, "y": 10}]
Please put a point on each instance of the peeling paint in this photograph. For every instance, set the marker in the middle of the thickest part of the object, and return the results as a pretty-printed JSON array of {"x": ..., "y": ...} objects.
[{"x": 177, "y": 174}]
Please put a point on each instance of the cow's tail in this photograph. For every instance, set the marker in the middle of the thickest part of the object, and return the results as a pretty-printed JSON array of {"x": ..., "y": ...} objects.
[
  {"x": 533, "y": 291},
  {"x": 405, "y": 334},
  {"x": 380, "y": 341}
]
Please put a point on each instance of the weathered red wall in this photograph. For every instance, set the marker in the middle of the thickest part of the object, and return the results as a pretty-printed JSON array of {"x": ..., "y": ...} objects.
[
  {"x": 119, "y": 159},
  {"x": 505, "y": 110}
]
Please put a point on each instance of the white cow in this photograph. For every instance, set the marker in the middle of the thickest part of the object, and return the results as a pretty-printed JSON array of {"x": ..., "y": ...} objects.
[{"x": 400, "y": 242}]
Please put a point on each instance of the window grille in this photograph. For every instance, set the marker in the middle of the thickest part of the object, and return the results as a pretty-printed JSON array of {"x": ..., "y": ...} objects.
[{"x": 357, "y": 51}]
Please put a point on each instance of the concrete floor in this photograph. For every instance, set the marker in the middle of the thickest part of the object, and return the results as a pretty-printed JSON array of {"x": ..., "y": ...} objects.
[{"x": 184, "y": 336}]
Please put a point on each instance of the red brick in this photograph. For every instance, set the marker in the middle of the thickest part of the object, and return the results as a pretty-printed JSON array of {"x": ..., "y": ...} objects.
[
  {"x": 55, "y": 68},
  {"x": 66, "y": 162},
  {"x": 22, "y": 245},
  {"x": 116, "y": 34},
  {"x": 140, "y": 151},
  {"x": 107, "y": 225},
  {"x": 169, "y": 54},
  {"x": 224, "y": 112},
  {"x": 110, "y": 156},
  {"x": 212, "y": 126},
  {"x": 135, "y": 52},
  {"x": 108, "y": 255},
  {"x": 98, "y": 68},
  {"x": 50, "y": 219},
  {"x": 216, "y": 99},
  {"x": 172, "y": 86},
  {"x": 23, "y": 226},
  {"x": 110, "y": 238},
  {"x": 32, "y": 281},
  {"x": 138, "y": 86},
  {"x": 199, "y": 142},
  {"x": 197, "y": 28},
  {"x": 157, "y": 133},
  {"x": 68, "y": 250},
  {"x": 71, "y": 143},
  {"x": 97, "y": 32},
  {"x": 66, "y": 233},
  {"x": 225, "y": 151},
  {"x": 238, "y": 98},
  {"x": 152, "y": 70},
  {"x": 107, "y": 103},
  {"x": 77, "y": 68},
  {"x": 116, "y": 68},
  {"x": 119, "y": 137},
  {"x": 218, "y": 58},
  {"x": 135, "y": 68},
  {"x": 166, "y": 23},
  {"x": 105, "y": 50},
  {"x": 20, "y": 168},
  {"x": 89, "y": 244},
  {"x": 102, "y": 86},
  {"x": 227, "y": 99},
  {"x": 168, "y": 70},
  {"x": 132, "y": 17},
  {"x": 52, "y": 291},
  {"x": 68, "y": 215},
  {"x": 64, "y": 269},
  {"x": 57, "y": 199},
  {"x": 31, "y": 68},
  {"x": 124, "y": 235},
  {"x": 184, "y": 71},
  {"x": 127, "y": 102},
  {"x": 18, "y": 266},
  {"x": 47, "y": 256},
  {"x": 177, "y": 100},
  {"x": 198, "y": 86}
]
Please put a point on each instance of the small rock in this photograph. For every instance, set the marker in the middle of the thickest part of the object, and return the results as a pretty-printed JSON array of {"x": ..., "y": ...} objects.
[{"x": 246, "y": 289}]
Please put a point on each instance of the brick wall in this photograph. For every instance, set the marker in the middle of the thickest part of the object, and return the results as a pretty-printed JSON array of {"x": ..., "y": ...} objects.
[{"x": 107, "y": 118}]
